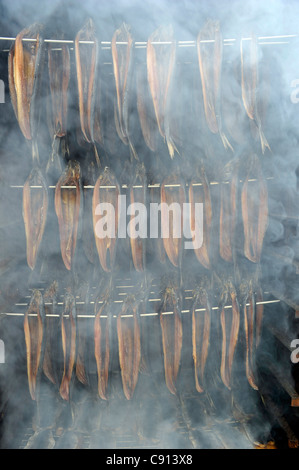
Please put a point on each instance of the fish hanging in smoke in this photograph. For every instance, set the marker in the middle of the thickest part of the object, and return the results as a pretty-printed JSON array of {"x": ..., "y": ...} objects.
[
  {"x": 138, "y": 190},
  {"x": 102, "y": 340},
  {"x": 25, "y": 62},
  {"x": 59, "y": 76},
  {"x": 122, "y": 59},
  {"x": 160, "y": 68},
  {"x": 230, "y": 324},
  {"x": 68, "y": 334},
  {"x": 251, "y": 329},
  {"x": 88, "y": 240},
  {"x": 172, "y": 199},
  {"x": 106, "y": 191},
  {"x": 201, "y": 324},
  {"x": 68, "y": 209},
  {"x": 228, "y": 210},
  {"x": 50, "y": 297},
  {"x": 35, "y": 208},
  {"x": 172, "y": 334},
  {"x": 34, "y": 333},
  {"x": 209, "y": 51},
  {"x": 200, "y": 194},
  {"x": 145, "y": 109},
  {"x": 129, "y": 345},
  {"x": 250, "y": 84},
  {"x": 254, "y": 199},
  {"x": 82, "y": 335},
  {"x": 86, "y": 53}
]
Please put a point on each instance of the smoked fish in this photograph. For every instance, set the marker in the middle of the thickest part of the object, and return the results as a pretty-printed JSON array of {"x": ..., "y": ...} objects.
[
  {"x": 50, "y": 297},
  {"x": 34, "y": 335},
  {"x": 172, "y": 334},
  {"x": 145, "y": 109},
  {"x": 106, "y": 191},
  {"x": 160, "y": 68},
  {"x": 68, "y": 209},
  {"x": 209, "y": 51},
  {"x": 24, "y": 77},
  {"x": 201, "y": 325},
  {"x": 138, "y": 190},
  {"x": 254, "y": 200},
  {"x": 201, "y": 194},
  {"x": 86, "y": 53},
  {"x": 68, "y": 333},
  {"x": 35, "y": 209},
  {"x": 102, "y": 335},
  {"x": 129, "y": 345}
]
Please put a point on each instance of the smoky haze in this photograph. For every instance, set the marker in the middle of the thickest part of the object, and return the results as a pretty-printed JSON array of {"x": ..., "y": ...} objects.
[{"x": 218, "y": 417}]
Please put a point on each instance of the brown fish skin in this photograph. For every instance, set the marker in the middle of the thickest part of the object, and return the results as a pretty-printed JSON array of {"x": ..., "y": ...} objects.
[
  {"x": 102, "y": 328},
  {"x": 249, "y": 327},
  {"x": 254, "y": 199},
  {"x": 82, "y": 335},
  {"x": 145, "y": 109},
  {"x": 35, "y": 208},
  {"x": 201, "y": 194},
  {"x": 68, "y": 209},
  {"x": 259, "y": 309},
  {"x": 172, "y": 232},
  {"x": 138, "y": 196},
  {"x": 129, "y": 346},
  {"x": 59, "y": 75},
  {"x": 160, "y": 67},
  {"x": 228, "y": 211},
  {"x": 34, "y": 330},
  {"x": 68, "y": 333},
  {"x": 50, "y": 296},
  {"x": 172, "y": 335},
  {"x": 229, "y": 320},
  {"x": 86, "y": 67},
  {"x": 249, "y": 82},
  {"x": 201, "y": 324},
  {"x": 210, "y": 62},
  {"x": 23, "y": 74},
  {"x": 106, "y": 195}
]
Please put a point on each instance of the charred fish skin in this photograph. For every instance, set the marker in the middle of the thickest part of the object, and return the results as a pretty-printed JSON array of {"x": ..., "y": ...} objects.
[
  {"x": 102, "y": 342},
  {"x": 106, "y": 191},
  {"x": 129, "y": 346},
  {"x": 86, "y": 67},
  {"x": 68, "y": 207},
  {"x": 68, "y": 332},
  {"x": 35, "y": 209},
  {"x": 172, "y": 192},
  {"x": 160, "y": 67},
  {"x": 210, "y": 72},
  {"x": 201, "y": 194},
  {"x": 138, "y": 193},
  {"x": 172, "y": 335},
  {"x": 25, "y": 63},
  {"x": 201, "y": 326},
  {"x": 34, "y": 334},
  {"x": 254, "y": 200}
]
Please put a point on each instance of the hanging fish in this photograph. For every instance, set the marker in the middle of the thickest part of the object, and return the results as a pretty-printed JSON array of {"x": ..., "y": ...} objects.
[
  {"x": 200, "y": 194},
  {"x": 88, "y": 240},
  {"x": 82, "y": 335},
  {"x": 106, "y": 192},
  {"x": 122, "y": 45},
  {"x": 102, "y": 340},
  {"x": 86, "y": 53},
  {"x": 34, "y": 334},
  {"x": 35, "y": 208},
  {"x": 172, "y": 199},
  {"x": 50, "y": 297},
  {"x": 172, "y": 334},
  {"x": 161, "y": 54},
  {"x": 209, "y": 50},
  {"x": 145, "y": 109},
  {"x": 254, "y": 199},
  {"x": 138, "y": 190},
  {"x": 250, "y": 84},
  {"x": 25, "y": 61},
  {"x": 129, "y": 347},
  {"x": 68, "y": 209},
  {"x": 201, "y": 325},
  {"x": 68, "y": 332}
]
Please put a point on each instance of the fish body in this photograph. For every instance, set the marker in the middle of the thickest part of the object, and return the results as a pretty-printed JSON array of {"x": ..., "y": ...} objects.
[
  {"x": 201, "y": 325},
  {"x": 138, "y": 191},
  {"x": 35, "y": 209},
  {"x": 50, "y": 297},
  {"x": 34, "y": 334},
  {"x": 68, "y": 333},
  {"x": 102, "y": 334},
  {"x": 68, "y": 209},
  {"x": 145, "y": 109}
]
